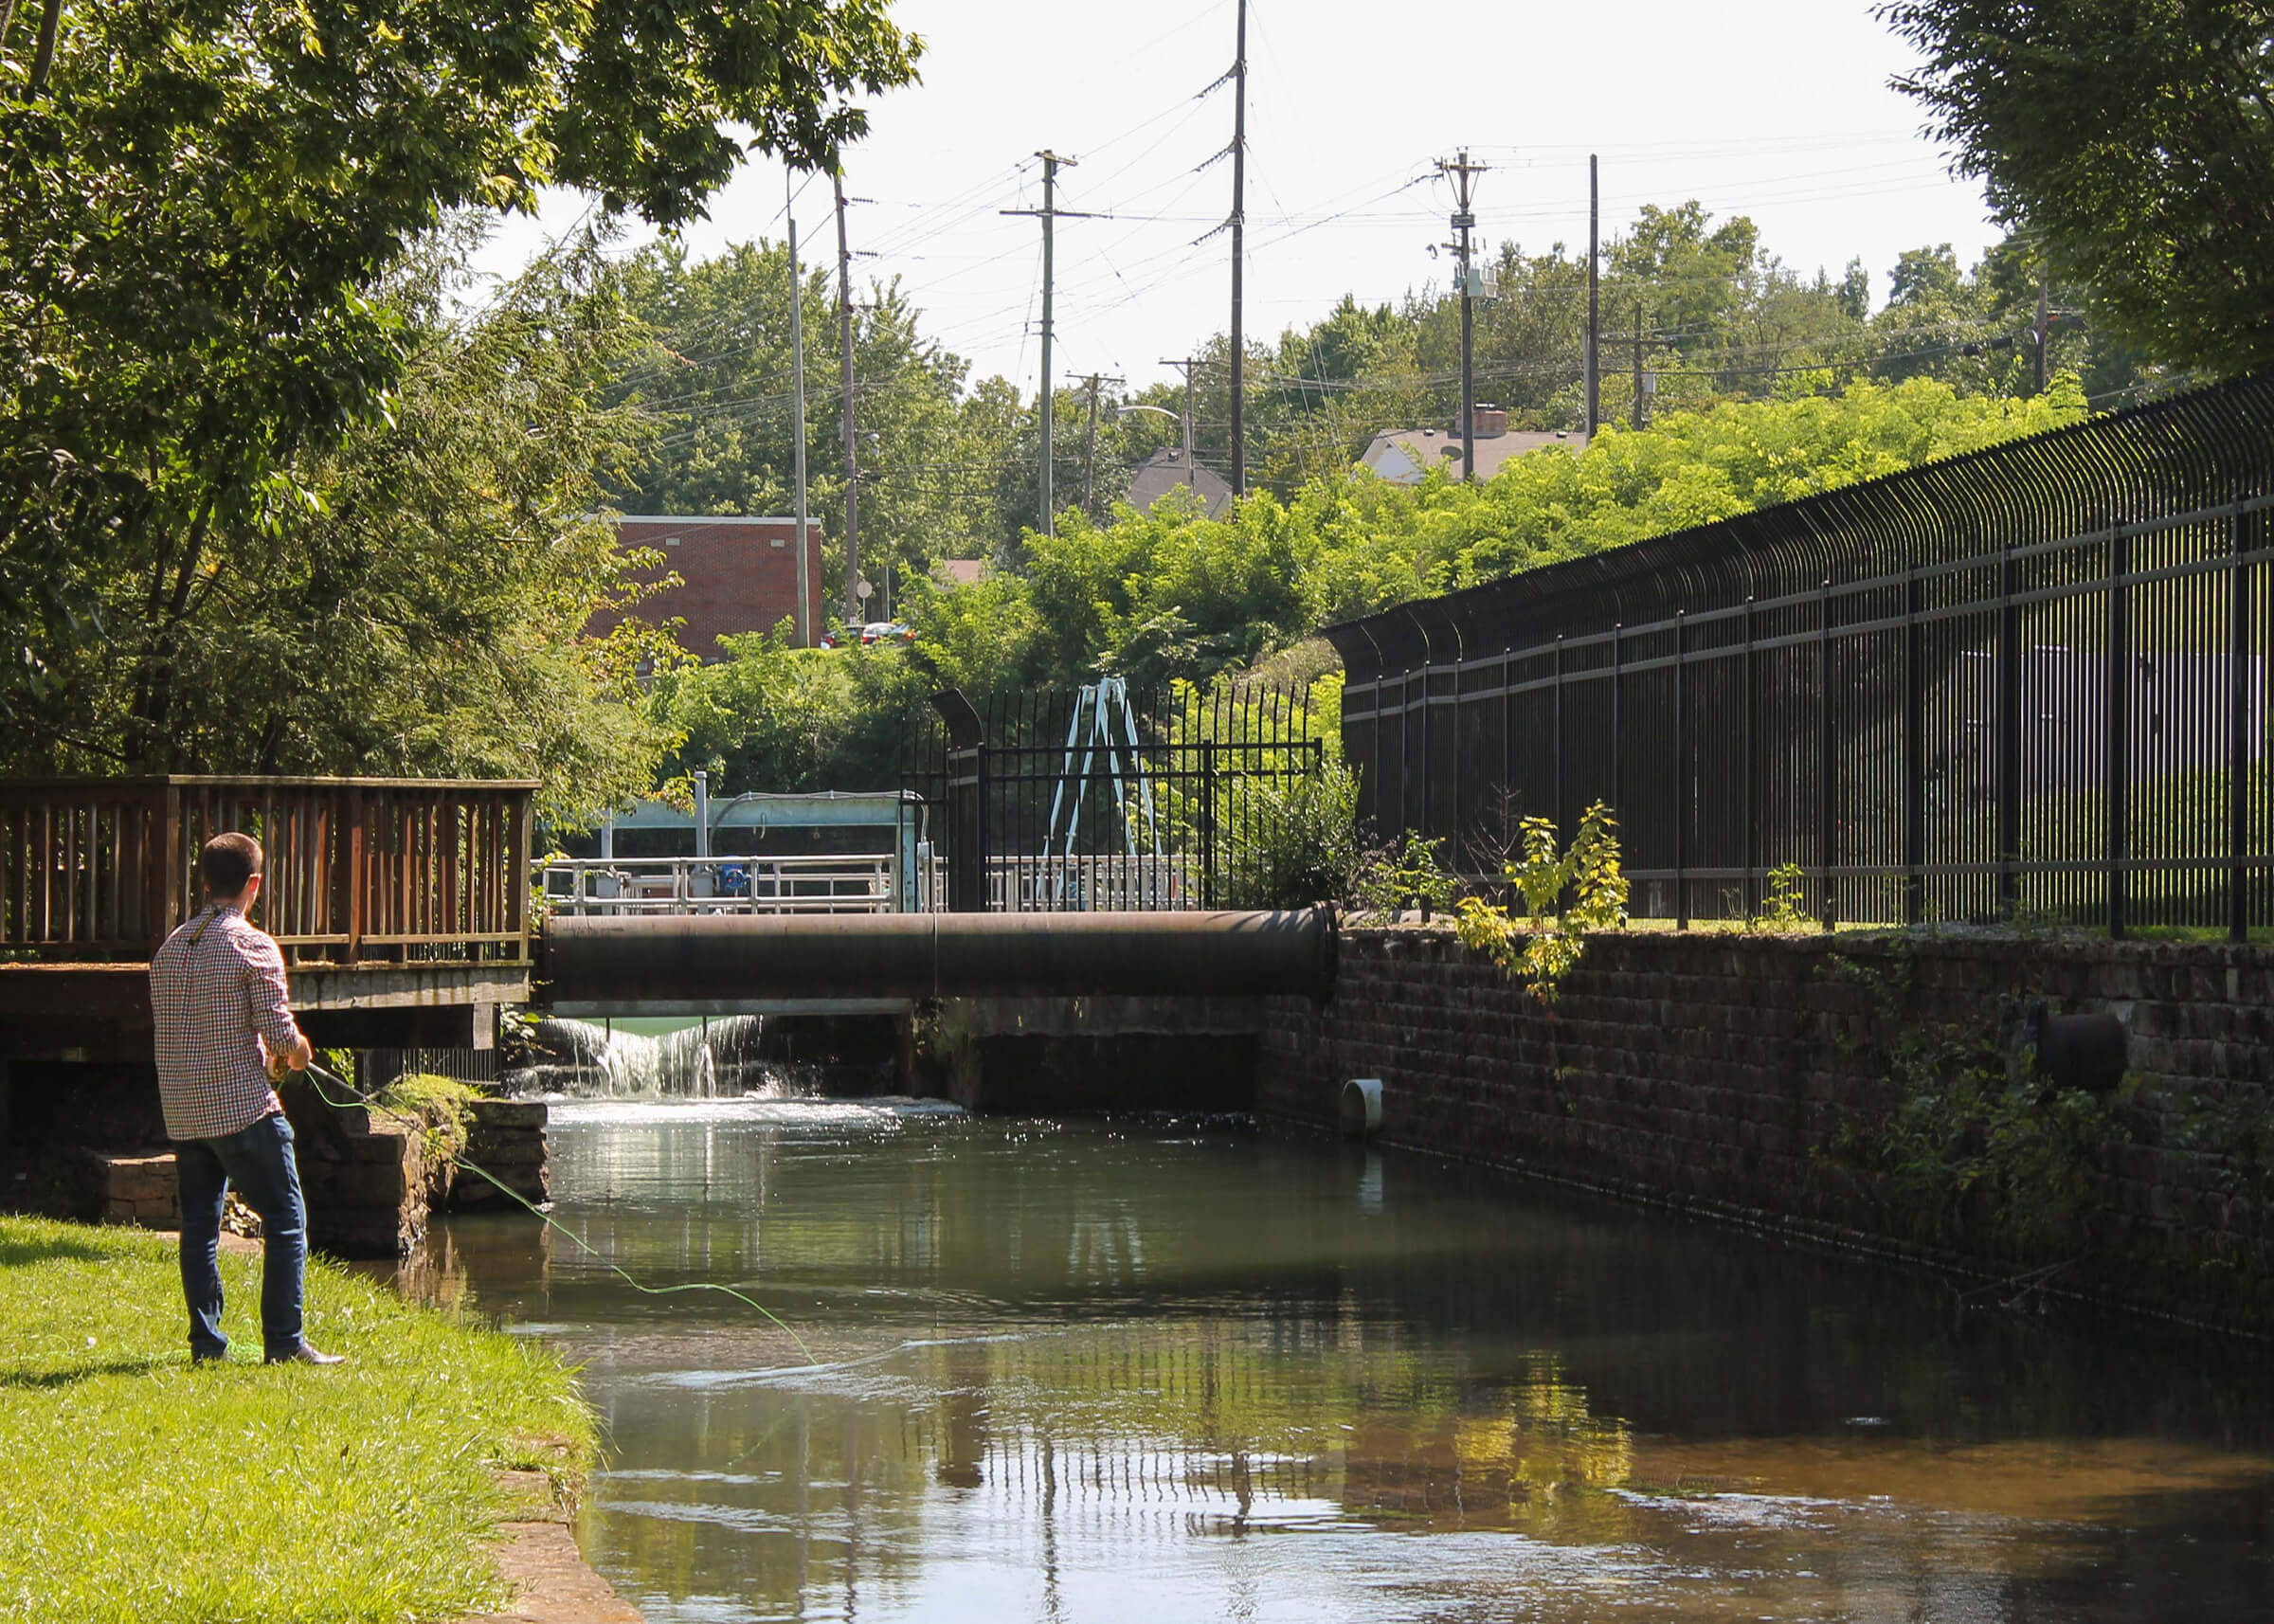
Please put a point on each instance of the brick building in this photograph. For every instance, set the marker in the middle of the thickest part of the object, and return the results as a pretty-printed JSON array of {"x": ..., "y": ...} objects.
[{"x": 739, "y": 574}]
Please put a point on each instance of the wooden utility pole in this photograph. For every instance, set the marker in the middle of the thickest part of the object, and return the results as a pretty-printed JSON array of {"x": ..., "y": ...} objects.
[
  {"x": 1594, "y": 307},
  {"x": 1049, "y": 214},
  {"x": 1240, "y": 252},
  {"x": 1089, "y": 453},
  {"x": 1638, "y": 364},
  {"x": 1186, "y": 367},
  {"x": 797, "y": 416},
  {"x": 1464, "y": 222},
  {"x": 844, "y": 322},
  {"x": 2045, "y": 330}
]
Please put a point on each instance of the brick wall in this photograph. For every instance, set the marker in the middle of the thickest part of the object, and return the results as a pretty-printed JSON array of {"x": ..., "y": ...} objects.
[
  {"x": 1714, "y": 1073},
  {"x": 740, "y": 575}
]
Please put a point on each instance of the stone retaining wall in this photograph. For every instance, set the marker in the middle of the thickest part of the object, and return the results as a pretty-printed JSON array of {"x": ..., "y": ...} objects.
[
  {"x": 372, "y": 1182},
  {"x": 506, "y": 1140},
  {"x": 1719, "y": 1073}
]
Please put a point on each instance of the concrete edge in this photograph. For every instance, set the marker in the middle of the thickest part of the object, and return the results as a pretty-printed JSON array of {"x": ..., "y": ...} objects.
[{"x": 552, "y": 1581}]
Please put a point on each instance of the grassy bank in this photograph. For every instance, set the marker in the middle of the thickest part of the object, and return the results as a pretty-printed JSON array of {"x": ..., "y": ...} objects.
[{"x": 136, "y": 1489}]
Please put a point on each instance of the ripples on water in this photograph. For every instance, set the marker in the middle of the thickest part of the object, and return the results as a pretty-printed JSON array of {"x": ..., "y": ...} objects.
[{"x": 1139, "y": 1372}]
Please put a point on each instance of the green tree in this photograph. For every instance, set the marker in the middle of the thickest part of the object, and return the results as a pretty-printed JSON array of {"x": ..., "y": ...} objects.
[
  {"x": 2135, "y": 140},
  {"x": 201, "y": 200},
  {"x": 422, "y": 611}
]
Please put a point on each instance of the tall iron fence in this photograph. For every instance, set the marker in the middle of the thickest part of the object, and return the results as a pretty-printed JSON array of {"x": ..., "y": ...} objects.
[
  {"x": 2027, "y": 682},
  {"x": 1113, "y": 798}
]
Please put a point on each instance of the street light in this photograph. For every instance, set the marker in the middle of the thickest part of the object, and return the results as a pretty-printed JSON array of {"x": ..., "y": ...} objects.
[{"x": 1187, "y": 421}]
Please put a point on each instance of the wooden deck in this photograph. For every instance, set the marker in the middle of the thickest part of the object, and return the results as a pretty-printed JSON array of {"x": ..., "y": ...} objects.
[{"x": 401, "y": 905}]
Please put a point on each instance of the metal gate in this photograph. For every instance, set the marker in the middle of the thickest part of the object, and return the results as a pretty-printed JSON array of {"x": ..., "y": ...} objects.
[{"x": 1110, "y": 798}]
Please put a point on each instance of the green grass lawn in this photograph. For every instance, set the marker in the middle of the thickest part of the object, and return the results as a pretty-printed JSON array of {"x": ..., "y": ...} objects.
[{"x": 135, "y": 1489}]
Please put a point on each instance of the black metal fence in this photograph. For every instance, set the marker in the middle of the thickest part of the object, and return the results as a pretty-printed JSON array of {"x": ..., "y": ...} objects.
[
  {"x": 2027, "y": 682},
  {"x": 1112, "y": 797}
]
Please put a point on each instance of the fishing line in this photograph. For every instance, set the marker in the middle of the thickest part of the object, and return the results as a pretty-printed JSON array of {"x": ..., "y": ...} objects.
[{"x": 317, "y": 1077}]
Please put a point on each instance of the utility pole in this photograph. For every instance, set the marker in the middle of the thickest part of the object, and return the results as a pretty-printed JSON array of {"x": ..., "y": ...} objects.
[
  {"x": 2045, "y": 329},
  {"x": 1239, "y": 253},
  {"x": 845, "y": 323},
  {"x": 1638, "y": 364},
  {"x": 1594, "y": 307},
  {"x": 797, "y": 416},
  {"x": 1186, "y": 367},
  {"x": 1463, "y": 220},
  {"x": 1089, "y": 453},
  {"x": 1048, "y": 214}
]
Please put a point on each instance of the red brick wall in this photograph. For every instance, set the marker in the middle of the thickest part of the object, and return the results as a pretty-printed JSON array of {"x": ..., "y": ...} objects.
[
  {"x": 1712, "y": 1073},
  {"x": 740, "y": 575}
]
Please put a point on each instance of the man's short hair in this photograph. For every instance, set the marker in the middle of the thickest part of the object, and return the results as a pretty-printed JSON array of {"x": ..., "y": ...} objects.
[{"x": 228, "y": 862}]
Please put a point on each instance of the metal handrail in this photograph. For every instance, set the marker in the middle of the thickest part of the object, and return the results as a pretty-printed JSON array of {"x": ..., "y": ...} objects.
[{"x": 613, "y": 886}]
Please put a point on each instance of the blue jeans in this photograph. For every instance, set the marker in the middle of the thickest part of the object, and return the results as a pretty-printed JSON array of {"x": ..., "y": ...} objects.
[{"x": 259, "y": 1160}]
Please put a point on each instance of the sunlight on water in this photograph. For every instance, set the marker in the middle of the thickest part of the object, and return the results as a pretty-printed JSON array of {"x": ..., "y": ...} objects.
[{"x": 1136, "y": 1372}]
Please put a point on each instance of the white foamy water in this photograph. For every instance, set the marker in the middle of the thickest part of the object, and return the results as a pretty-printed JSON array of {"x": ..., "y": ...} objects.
[
  {"x": 718, "y": 1060},
  {"x": 883, "y": 1112}
]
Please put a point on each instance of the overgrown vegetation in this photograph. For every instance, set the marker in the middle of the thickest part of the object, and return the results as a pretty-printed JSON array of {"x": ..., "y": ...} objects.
[
  {"x": 1979, "y": 1149},
  {"x": 1565, "y": 897},
  {"x": 442, "y": 1108},
  {"x": 135, "y": 1490},
  {"x": 1784, "y": 907},
  {"x": 1406, "y": 873}
]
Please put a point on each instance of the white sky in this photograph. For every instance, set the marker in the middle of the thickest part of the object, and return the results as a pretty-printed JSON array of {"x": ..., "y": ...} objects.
[{"x": 1779, "y": 109}]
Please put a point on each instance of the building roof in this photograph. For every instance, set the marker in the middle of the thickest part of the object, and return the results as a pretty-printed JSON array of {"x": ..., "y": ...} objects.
[
  {"x": 1403, "y": 455},
  {"x": 1164, "y": 470}
]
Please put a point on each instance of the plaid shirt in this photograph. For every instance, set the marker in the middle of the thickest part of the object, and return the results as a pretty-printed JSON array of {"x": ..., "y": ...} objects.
[{"x": 217, "y": 996}]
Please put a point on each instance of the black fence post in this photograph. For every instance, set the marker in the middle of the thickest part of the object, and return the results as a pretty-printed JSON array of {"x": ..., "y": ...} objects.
[
  {"x": 1914, "y": 751},
  {"x": 1554, "y": 807},
  {"x": 1752, "y": 778},
  {"x": 1619, "y": 719},
  {"x": 1429, "y": 671},
  {"x": 2119, "y": 801},
  {"x": 1207, "y": 824},
  {"x": 966, "y": 803},
  {"x": 1682, "y": 778},
  {"x": 1407, "y": 730},
  {"x": 2009, "y": 735},
  {"x": 2248, "y": 529},
  {"x": 1454, "y": 832},
  {"x": 1827, "y": 840}
]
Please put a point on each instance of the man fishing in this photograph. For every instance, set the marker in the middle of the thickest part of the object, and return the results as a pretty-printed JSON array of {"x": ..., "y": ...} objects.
[{"x": 225, "y": 1037}]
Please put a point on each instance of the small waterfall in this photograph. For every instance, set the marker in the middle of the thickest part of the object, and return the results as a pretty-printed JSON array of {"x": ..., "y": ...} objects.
[{"x": 585, "y": 1059}]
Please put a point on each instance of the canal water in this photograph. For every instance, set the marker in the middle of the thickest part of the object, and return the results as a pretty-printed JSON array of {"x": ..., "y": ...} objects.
[{"x": 1157, "y": 1371}]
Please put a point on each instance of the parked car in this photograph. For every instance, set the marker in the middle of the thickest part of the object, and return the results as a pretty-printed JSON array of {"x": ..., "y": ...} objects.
[{"x": 888, "y": 631}]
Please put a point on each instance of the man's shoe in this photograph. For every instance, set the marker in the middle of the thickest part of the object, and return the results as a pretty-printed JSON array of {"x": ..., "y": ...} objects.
[
  {"x": 306, "y": 1354},
  {"x": 199, "y": 1356}
]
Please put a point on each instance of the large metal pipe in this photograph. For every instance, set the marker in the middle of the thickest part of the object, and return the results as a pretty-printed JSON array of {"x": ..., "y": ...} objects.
[{"x": 726, "y": 959}]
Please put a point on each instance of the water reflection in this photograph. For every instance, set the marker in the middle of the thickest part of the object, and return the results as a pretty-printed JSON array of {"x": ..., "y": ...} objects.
[{"x": 1147, "y": 1373}]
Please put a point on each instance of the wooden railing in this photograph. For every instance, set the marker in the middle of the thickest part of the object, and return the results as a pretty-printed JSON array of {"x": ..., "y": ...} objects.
[{"x": 360, "y": 869}]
